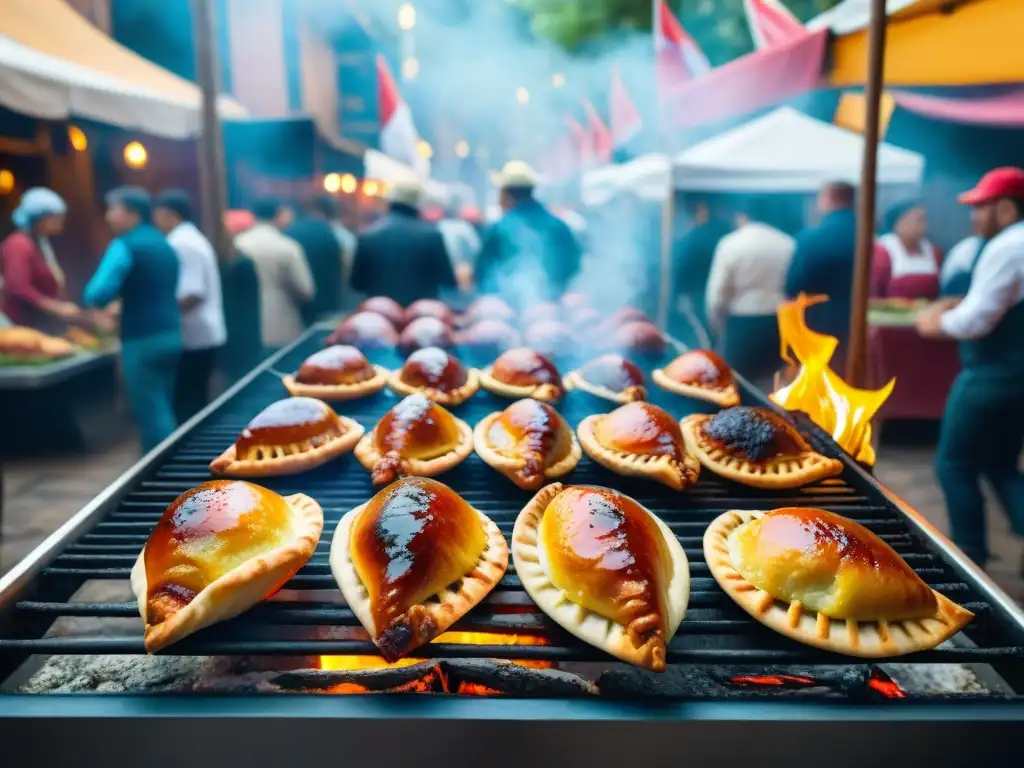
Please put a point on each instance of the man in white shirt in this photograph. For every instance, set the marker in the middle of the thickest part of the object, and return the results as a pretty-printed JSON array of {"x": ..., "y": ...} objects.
[
  {"x": 983, "y": 426},
  {"x": 745, "y": 286},
  {"x": 462, "y": 243},
  {"x": 958, "y": 264},
  {"x": 286, "y": 283},
  {"x": 203, "y": 331}
]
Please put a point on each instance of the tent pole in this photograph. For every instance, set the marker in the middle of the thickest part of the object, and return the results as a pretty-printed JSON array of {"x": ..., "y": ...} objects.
[
  {"x": 668, "y": 212},
  {"x": 212, "y": 174},
  {"x": 856, "y": 364}
]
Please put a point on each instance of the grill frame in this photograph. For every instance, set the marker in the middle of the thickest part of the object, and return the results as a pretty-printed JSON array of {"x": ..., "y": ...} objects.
[{"x": 22, "y": 584}]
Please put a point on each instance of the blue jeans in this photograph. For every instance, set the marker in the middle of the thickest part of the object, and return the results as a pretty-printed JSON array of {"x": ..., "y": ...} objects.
[
  {"x": 982, "y": 436},
  {"x": 150, "y": 365}
]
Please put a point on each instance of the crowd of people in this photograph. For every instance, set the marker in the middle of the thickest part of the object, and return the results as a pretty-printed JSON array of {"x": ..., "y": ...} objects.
[{"x": 160, "y": 280}]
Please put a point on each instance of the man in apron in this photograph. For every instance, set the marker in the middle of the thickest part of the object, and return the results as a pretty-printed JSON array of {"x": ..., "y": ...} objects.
[{"x": 983, "y": 426}]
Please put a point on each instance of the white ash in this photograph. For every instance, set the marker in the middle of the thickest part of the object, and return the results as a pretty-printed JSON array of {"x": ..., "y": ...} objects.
[
  {"x": 921, "y": 679},
  {"x": 124, "y": 674}
]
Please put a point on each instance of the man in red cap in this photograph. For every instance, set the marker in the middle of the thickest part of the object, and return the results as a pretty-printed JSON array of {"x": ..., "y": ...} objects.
[{"x": 983, "y": 426}]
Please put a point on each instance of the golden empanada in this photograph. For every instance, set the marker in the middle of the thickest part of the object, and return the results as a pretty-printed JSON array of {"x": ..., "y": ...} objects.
[
  {"x": 438, "y": 375},
  {"x": 827, "y": 581},
  {"x": 520, "y": 373},
  {"x": 605, "y": 568},
  {"x": 528, "y": 442},
  {"x": 700, "y": 374},
  {"x": 287, "y": 437},
  {"x": 336, "y": 373},
  {"x": 756, "y": 447},
  {"x": 413, "y": 561},
  {"x": 416, "y": 437},
  {"x": 611, "y": 377},
  {"x": 219, "y": 549},
  {"x": 640, "y": 440}
]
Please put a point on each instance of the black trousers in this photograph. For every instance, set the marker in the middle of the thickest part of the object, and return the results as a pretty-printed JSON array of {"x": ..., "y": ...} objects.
[{"x": 192, "y": 385}]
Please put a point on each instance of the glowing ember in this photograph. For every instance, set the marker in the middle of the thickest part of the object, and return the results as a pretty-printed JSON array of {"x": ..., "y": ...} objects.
[
  {"x": 843, "y": 411},
  {"x": 887, "y": 688},
  {"x": 350, "y": 663},
  {"x": 475, "y": 689},
  {"x": 771, "y": 680}
]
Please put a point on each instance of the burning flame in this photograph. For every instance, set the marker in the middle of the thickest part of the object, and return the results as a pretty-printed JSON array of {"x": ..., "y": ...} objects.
[
  {"x": 843, "y": 411},
  {"x": 349, "y": 663}
]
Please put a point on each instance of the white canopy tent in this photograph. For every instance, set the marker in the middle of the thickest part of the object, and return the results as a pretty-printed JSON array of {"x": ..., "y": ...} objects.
[
  {"x": 385, "y": 168},
  {"x": 647, "y": 176},
  {"x": 787, "y": 151},
  {"x": 36, "y": 83},
  {"x": 851, "y": 15}
]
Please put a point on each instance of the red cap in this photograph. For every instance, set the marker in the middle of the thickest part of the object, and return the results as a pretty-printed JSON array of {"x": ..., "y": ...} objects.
[{"x": 1002, "y": 182}]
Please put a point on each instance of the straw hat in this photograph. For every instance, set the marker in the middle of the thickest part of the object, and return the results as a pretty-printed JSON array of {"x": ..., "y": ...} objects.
[
  {"x": 405, "y": 192},
  {"x": 515, "y": 174}
]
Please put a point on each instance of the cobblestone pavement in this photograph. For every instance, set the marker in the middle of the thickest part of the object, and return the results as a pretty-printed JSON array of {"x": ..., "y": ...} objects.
[{"x": 42, "y": 494}]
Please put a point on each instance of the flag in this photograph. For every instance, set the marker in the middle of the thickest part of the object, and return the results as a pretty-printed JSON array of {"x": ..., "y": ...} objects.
[
  {"x": 771, "y": 23},
  {"x": 398, "y": 135},
  {"x": 600, "y": 137},
  {"x": 678, "y": 58},
  {"x": 622, "y": 112},
  {"x": 561, "y": 161},
  {"x": 583, "y": 149}
]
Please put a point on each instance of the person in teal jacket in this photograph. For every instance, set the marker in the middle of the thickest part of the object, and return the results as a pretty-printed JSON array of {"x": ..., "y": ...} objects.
[
  {"x": 983, "y": 425},
  {"x": 141, "y": 269}
]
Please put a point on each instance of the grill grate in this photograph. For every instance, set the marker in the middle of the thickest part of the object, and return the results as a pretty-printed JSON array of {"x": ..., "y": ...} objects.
[{"x": 310, "y": 618}]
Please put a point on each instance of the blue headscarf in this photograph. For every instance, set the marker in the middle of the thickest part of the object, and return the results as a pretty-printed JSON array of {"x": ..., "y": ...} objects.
[
  {"x": 896, "y": 212},
  {"x": 36, "y": 203}
]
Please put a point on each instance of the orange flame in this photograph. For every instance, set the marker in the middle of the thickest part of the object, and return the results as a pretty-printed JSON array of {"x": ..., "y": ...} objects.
[
  {"x": 349, "y": 663},
  {"x": 843, "y": 411}
]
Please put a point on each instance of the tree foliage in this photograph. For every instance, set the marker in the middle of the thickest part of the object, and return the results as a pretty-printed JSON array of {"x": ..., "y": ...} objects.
[{"x": 719, "y": 26}]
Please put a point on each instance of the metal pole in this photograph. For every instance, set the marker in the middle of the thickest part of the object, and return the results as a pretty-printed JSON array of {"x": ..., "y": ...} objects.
[
  {"x": 666, "y": 290},
  {"x": 856, "y": 364},
  {"x": 212, "y": 175}
]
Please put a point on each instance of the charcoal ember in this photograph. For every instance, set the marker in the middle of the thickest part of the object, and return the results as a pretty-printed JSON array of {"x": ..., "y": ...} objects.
[
  {"x": 385, "y": 679},
  {"x": 676, "y": 682},
  {"x": 491, "y": 335},
  {"x": 487, "y": 308},
  {"x": 386, "y": 307},
  {"x": 542, "y": 312},
  {"x": 513, "y": 679},
  {"x": 365, "y": 330},
  {"x": 429, "y": 308},
  {"x": 638, "y": 336},
  {"x": 426, "y": 332},
  {"x": 752, "y": 432},
  {"x": 850, "y": 680},
  {"x": 550, "y": 338}
]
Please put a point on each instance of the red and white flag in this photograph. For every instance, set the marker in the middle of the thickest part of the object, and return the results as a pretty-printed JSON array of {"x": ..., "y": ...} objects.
[
  {"x": 584, "y": 150},
  {"x": 678, "y": 58},
  {"x": 600, "y": 136},
  {"x": 622, "y": 112},
  {"x": 398, "y": 135},
  {"x": 771, "y": 23}
]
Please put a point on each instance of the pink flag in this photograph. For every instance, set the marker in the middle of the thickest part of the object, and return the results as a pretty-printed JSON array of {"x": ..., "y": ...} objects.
[
  {"x": 771, "y": 23},
  {"x": 678, "y": 57},
  {"x": 584, "y": 150},
  {"x": 600, "y": 136},
  {"x": 398, "y": 135},
  {"x": 623, "y": 115}
]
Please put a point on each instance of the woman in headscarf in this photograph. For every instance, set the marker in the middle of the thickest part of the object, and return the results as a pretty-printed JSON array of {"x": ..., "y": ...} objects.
[
  {"x": 906, "y": 265},
  {"x": 33, "y": 282}
]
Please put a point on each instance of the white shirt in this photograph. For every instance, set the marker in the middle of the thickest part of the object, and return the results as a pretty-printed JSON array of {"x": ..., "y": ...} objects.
[
  {"x": 960, "y": 258},
  {"x": 202, "y": 327},
  {"x": 748, "y": 273},
  {"x": 460, "y": 240},
  {"x": 997, "y": 286}
]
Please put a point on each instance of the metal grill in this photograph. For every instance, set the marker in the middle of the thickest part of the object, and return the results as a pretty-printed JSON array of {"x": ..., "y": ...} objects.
[{"x": 306, "y": 623}]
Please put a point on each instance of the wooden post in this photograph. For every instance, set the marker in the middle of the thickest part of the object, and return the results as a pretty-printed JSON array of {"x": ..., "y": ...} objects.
[
  {"x": 856, "y": 364},
  {"x": 212, "y": 174}
]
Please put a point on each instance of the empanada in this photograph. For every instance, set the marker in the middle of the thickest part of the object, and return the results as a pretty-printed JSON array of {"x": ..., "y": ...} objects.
[
  {"x": 414, "y": 560},
  {"x": 337, "y": 373},
  {"x": 219, "y": 549},
  {"x": 528, "y": 442},
  {"x": 416, "y": 437},
  {"x": 438, "y": 375},
  {"x": 605, "y": 568},
  {"x": 827, "y": 581},
  {"x": 287, "y": 437},
  {"x": 520, "y": 373},
  {"x": 611, "y": 377},
  {"x": 700, "y": 374},
  {"x": 640, "y": 440},
  {"x": 756, "y": 447}
]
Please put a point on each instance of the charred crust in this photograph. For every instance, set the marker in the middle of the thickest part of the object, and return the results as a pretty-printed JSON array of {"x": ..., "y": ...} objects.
[{"x": 406, "y": 633}]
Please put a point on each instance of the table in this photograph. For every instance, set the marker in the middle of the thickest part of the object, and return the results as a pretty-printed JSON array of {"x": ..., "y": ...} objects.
[{"x": 924, "y": 368}]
